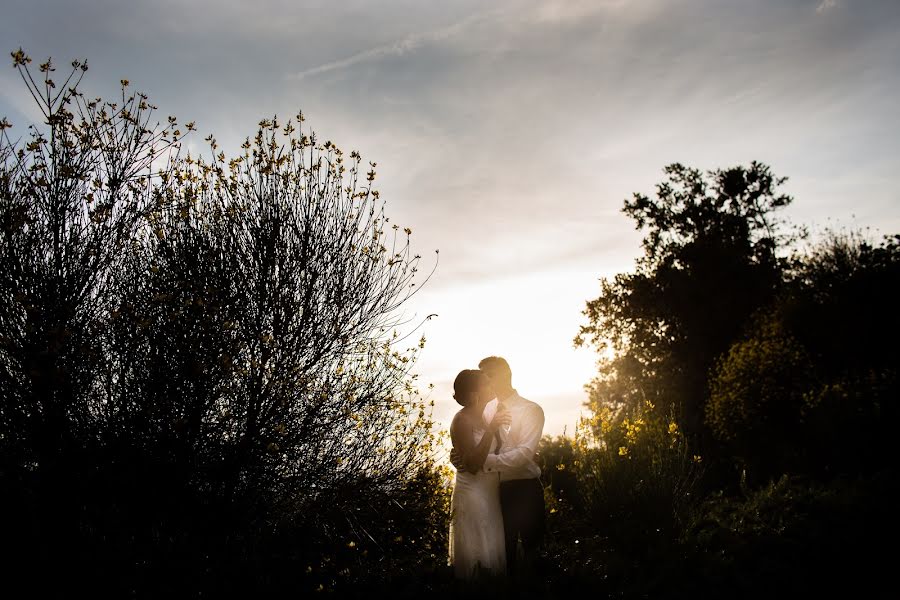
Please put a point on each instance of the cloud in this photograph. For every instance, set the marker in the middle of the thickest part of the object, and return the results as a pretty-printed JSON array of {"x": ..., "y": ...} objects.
[
  {"x": 570, "y": 11},
  {"x": 398, "y": 48},
  {"x": 825, "y": 5}
]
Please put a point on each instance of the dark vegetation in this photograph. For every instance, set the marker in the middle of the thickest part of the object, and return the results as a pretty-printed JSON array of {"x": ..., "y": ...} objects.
[
  {"x": 201, "y": 388},
  {"x": 202, "y": 392}
]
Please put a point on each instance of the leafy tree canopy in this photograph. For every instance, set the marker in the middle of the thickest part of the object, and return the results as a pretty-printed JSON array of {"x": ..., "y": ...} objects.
[{"x": 710, "y": 259}]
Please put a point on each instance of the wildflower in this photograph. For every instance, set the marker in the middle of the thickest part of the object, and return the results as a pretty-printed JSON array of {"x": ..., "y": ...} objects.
[
  {"x": 623, "y": 451},
  {"x": 19, "y": 58}
]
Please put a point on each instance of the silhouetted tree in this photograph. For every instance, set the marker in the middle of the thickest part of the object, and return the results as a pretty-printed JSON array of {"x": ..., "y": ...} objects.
[
  {"x": 710, "y": 261},
  {"x": 72, "y": 197},
  {"x": 812, "y": 388},
  {"x": 781, "y": 368},
  {"x": 196, "y": 354}
]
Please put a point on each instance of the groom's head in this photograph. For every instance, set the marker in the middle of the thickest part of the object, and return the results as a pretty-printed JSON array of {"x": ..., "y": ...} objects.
[{"x": 498, "y": 371}]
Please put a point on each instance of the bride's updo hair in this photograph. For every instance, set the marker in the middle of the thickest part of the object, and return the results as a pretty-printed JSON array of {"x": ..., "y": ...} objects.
[{"x": 465, "y": 384}]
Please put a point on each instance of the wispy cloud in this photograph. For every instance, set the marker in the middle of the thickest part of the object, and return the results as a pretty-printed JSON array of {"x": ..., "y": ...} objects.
[
  {"x": 825, "y": 5},
  {"x": 398, "y": 48},
  {"x": 568, "y": 11}
]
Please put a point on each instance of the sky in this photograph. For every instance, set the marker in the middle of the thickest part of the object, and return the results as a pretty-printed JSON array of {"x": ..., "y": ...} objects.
[{"x": 507, "y": 134}]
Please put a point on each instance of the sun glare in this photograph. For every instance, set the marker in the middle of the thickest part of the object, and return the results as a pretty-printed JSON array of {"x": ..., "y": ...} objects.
[{"x": 529, "y": 320}]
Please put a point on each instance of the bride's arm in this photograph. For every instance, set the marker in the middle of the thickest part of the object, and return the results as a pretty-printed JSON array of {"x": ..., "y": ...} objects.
[{"x": 471, "y": 454}]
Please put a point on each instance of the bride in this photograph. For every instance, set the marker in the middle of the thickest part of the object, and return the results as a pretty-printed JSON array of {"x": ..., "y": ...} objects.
[{"x": 477, "y": 543}]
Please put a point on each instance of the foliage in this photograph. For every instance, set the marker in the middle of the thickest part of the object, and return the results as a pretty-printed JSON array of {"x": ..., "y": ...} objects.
[
  {"x": 556, "y": 458},
  {"x": 842, "y": 308},
  {"x": 771, "y": 365},
  {"x": 397, "y": 543},
  {"x": 807, "y": 387},
  {"x": 756, "y": 398},
  {"x": 849, "y": 283},
  {"x": 197, "y": 356},
  {"x": 710, "y": 260},
  {"x": 793, "y": 536},
  {"x": 637, "y": 481},
  {"x": 817, "y": 367}
]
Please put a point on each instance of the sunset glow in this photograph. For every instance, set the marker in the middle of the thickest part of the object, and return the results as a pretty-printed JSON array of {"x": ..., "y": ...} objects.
[
  {"x": 252, "y": 254},
  {"x": 525, "y": 128}
]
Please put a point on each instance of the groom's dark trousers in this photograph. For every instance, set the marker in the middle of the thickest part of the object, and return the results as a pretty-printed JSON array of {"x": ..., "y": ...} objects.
[{"x": 522, "y": 503}]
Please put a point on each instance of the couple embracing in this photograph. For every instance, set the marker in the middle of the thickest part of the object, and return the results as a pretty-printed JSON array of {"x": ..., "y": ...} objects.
[{"x": 498, "y": 498}]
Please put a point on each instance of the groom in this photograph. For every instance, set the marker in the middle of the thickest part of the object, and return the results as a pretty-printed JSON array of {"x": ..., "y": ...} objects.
[{"x": 521, "y": 491}]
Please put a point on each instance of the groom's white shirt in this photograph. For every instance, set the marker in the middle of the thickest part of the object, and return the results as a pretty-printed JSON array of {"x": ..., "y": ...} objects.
[{"x": 516, "y": 457}]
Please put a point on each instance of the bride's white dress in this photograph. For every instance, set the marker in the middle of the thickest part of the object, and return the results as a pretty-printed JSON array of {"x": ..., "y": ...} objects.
[{"x": 476, "y": 524}]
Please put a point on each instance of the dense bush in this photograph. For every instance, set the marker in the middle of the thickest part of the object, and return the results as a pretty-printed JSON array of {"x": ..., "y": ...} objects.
[
  {"x": 619, "y": 497},
  {"x": 202, "y": 386},
  {"x": 781, "y": 367},
  {"x": 756, "y": 399},
  {"x": 637, "y": 478},
  {"x": 816, "y": 368},
  {"x": 794, "y": 537}
]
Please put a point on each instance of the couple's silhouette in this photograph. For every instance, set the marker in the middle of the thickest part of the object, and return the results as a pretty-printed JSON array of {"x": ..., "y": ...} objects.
[{"x": 497, "y": 506}]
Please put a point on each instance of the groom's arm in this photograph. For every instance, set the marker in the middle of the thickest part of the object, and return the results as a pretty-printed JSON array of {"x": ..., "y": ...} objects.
[{"x": 514, "y": 457}]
